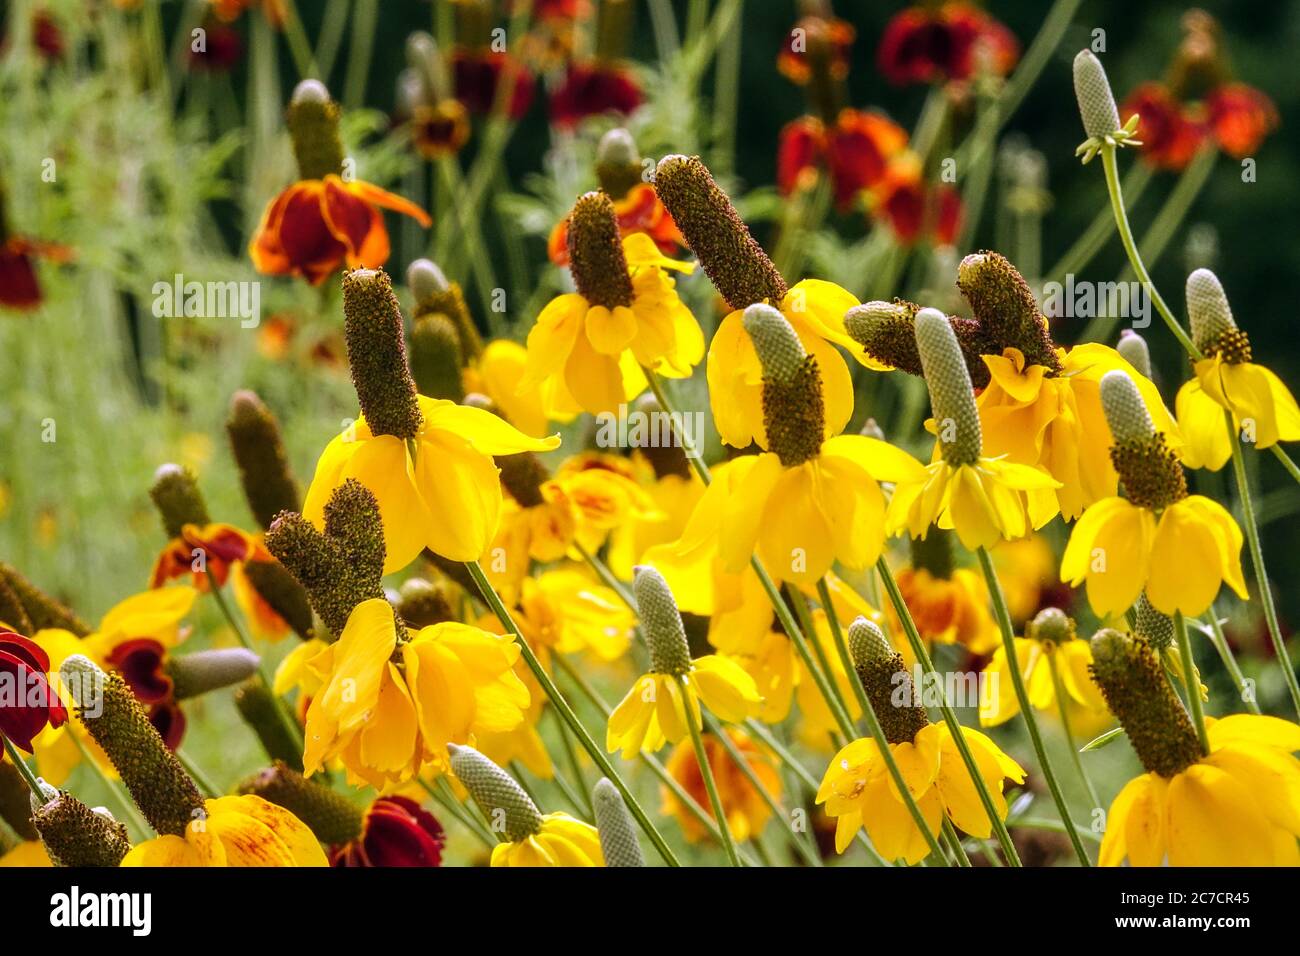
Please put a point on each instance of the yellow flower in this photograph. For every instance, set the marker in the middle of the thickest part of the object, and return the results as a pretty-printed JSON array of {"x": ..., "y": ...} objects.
[
  {"x": 673, "y": 496},
  {"x": 387, "y": 707},
  {"x": 561, "y": 841},
  {"x": 1052, "y": 638},
  {"x": 858, "y": 790},
  {"x": 605, "y": 495},
  {"x": 448, "y": 498},
  {"x": 1055, "y": 422},
  {"x": 568, "y": 612},
  {"x": 654, "y": 710},
  {"x": 747, "y": 812},
  {"x": 235, "y": 831},
  {"x": 588, "y": 347},
  {"x": 497, "y": 374},
  {"x": 1263, "y": 409},
  {"x": 949, "y": 604},
  {"x": 26, "y": 854},
  {"x": 808, "y": 502}
]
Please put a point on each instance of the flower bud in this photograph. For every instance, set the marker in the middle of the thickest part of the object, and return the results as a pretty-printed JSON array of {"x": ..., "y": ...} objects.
[
  {"x": 618, "y": 842},
  {"x": 618, "y": 163},
  {"x": 509, "y": 810},
  {"x": 661, "y": 622},
  {"x": 434, "y": 293},
  {"x": 435, "y": 357},
  {"x": 1133, "y": 349},
  {"x": 201, "y": 671},
  {"x": 1096, "y": 101},
  {"x": 1051, "y": 625}
]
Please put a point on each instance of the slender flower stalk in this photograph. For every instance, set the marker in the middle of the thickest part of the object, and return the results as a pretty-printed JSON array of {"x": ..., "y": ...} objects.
[
  {"x": 1190, "y": 681},
  {"x": 1062, "y": 704},
  {"x": 710, "y": 785}
]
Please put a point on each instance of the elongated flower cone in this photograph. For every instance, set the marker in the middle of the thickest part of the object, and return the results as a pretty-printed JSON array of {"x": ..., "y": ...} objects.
[
  {"x": 332, "y": 817},
  {"x": 1133, "y": 348},
  {"x": 436, "y": 357},
  {"x": 313, "y": 121},
  {"x": 201, "y": 671},
  {"x": 884, "y": 677},
  {"x": 435, "y": 294},
  {"x": 951, "y": 396},
  {"x": 794, "y": 411},
  {"x": 618, "y": 841},
  {"x": 154, "y": 777},
  {"x": 1214, "y": 330},
  {"x": 178, "y": 499},
  {"x": 665, "y": 635},
  {"x": 76, "y": 835},
  {"x": 264, "y": 469},
  {"x": 509, "y": 810},
  {"x": 372, "y": 321},
  {"x": 1096, "y": 101},
  {"x": 1150, "y": 472},
  {"x": 261, "y": 712}
]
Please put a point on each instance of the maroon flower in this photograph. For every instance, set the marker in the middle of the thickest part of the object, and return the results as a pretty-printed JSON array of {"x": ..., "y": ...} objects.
[
  {"x": 222, "y": 48},
  {"x": 141, "y": 662},
  {"x": 27, "y": 701},
  {"x": 19, "y": 288},
  {"x": 928, "y": 45},
  {"x": 397, "y": 832},
  {"x": 476, "y": 74},
  {"x": 591, "y": 89}
]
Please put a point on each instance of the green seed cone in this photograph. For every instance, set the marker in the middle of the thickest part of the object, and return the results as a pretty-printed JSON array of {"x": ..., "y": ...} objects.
[
  {"x": 951, "y": 396},
  {"x": 263, "y": 463},
  {"x": 313, "y": 121},
  {"x": 1152, "y": 626},
  {"x": 665, "y": 635},
  {"x": 779, "y": 350},
  {"x": 282, "y": 592},
  {"x": 618, "y": 163},
  {"x": 176, "y": 495},
  {"x": 1214, "y": 330},
  {"x": 332, "y": 817},
  {"x": 1126, "y": 412},
  {"x": 1051, "y": 625},
  {"x": 794, "y": 409},
  {"x": 258, "y": 707},
  {"x": 42, "y": 610},
  {"x": 1133, "y": 682},
  {"x": 883, "y": 675},
  {"x": 435, "y": 357},
  {"x": 76, "y": 835},
  {"x": 1096, "y": 101},
  {"x": 1133, "y": 349},
  {"x": 154, "y": 777},
  {"x": 736, "y": 265},
  {"x": 202, "y": 671},
  {"x": 508, "y": 809},
  {"x": 618, "y": 842},
  {"x": 372, "y": 323},
  {"x": 434, "y": 294}
]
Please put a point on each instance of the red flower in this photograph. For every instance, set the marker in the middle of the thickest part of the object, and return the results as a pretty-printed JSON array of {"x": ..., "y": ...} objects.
[
  {"x": 914, "y": 209},
  {"x": 219, "y": 546},
  {"x": 397, "y": 832},
  {"x": 18, "y": 286},
  {"x": 222, "y": 48},
  {"x": 317, "y": 225},
  {"x": 925, "y": 45},
  {"x": 639, "y": 211},
  {"x": 141, "y": 661},
  {"x": 1241, "y": 116},
  {"x": 1169, "y": 137},
  {"x": 592, "y": 89},
  {"x": 476, "y": 75},
  {"x": 27, "y": 701},
  {"x": 856, "y": 151},
  {"x": 818, "y": 33}
]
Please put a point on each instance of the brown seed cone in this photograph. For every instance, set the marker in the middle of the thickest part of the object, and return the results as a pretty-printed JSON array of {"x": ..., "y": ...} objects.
[
  {"x": 75, "y": 835},
  {"x": 332, "y": 817},
  {"x": 263, "y": 463},
  {"x": 283, "y": 594},
  {"x": 372, "y": 324},
  {"x": 313, "y": 121},
  {"x": 176, "y": 495},
  {"x": 43, "y": 610},
  {"x": 260, "y": 712},
  {"x": 596, "y": 257}
]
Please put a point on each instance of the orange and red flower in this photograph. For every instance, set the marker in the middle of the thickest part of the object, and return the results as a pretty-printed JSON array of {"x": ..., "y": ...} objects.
[
  {"x": 316, "y": 226},
  {"x": 927, "y": 44},
  {"x": 638, "y": 211},
  {"x": 202, "y": 549},
  {"x": 397, "y": 831},
  {"x": 476, "y": 74},
  {"x": 19, "y": 288},
  {"x": 31, "y": 703},
  {"x": 855, "y": 151},
  {"x": 814, "y": 33},
  {"x": 1235, "y": 116},
  {"x": 914, "y": 208},
  {"x": 593, "y": 89}
]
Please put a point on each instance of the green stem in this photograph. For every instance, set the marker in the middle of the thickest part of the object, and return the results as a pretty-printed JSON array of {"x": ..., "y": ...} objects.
[
  {"x": 1003, "y": 616},
  {"x": 949, "y": 718},
  {"x": 124, "y": 800},
  {"x": 1171, "y": 214},
  {"x": 805, "y": 850},
  {"x": 1220, "y": 642},
  {"x": 821, "y": 669},
  {"x": 304, "y": 60},
  {"x": 365, "y": 16},
  {"x": 286, "y": 718},
  {"x": 1134, "y": 256},
  {"x": 706, "y": 771},
  {"x": 726, "y": 99},
  {"x": 1292, "y": 469},
  {"x": 606, "y": 575},
  {"x": 1058, "y": 685},
  {"x": 1190, "y": 683},
  {"x": 493, "y": 600},
  {"x": 21, "y": 766},
  {"x": 878, "y": 733},
  {"x": 1092, "y": 239},
  {"x": 954, "y": 843},
  {"x": 1257, "y": 559},
  {"x": 455, "y": 809}
]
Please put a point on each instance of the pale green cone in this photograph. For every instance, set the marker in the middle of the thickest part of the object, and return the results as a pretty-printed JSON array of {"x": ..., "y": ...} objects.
[
  {"x": 508, "y": 809},
  {"x": 1133, "y": 349},
  {"x": 618, "y": 842},
  {"x": 1096, "y": 101},
  {"x": 425, "y": 280},
  {"x": 779, "y": 350},
  {"x": 1207, "y": 309},
  {"x": 952, "y": 399},
  {"x": 1152, "y": 626},
  {"x": 867, "y": 643},
  {"x": 1051, "y": 625},
  {"x": 202, "y": 671},
  {"x": 1126, "y": 413},
  {"x": 665, "y": 635}
]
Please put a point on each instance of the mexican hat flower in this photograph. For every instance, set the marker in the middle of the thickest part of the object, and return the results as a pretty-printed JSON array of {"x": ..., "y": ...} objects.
[
  {"x": 198, "y": 547},
  {"x": 855, "y": 149},
  {"x": 982, "y": 499},
  {"x": 935, "y": 43},
  {"x": 1263, "y": 409},
  {"x": 19, "y": 288},
  {"x": 428, "y": 462},
  {"x": 531, "y": 838},
  {"x": 859, "y": 792},
  {"x": 72, "y": 833},
  {"x": 622, "y": 175},
  {"x": 1098, "y": 111},
  {"x": 1049, "y": 645},
  {"x": 323, "y": 221},
  {"x": 744, "y": 275},
  {"x": 914, "y": 208},
  {"x": 1230, "y": 800},
  {"x": 746, "y": 810},
  {"x": 808, "y": 501},
  {"x": 590, "y": 346},
  {"x": 192, "y": 831},
  {"x": 29, "y": 703},
  {"x": 1180, "y": 548},
  {"x": 654, "y": 710},
  {"x": 437, "y": 122},
  {"x": 949, "y": 604}
]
